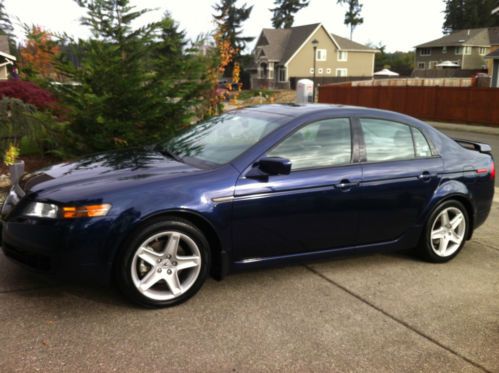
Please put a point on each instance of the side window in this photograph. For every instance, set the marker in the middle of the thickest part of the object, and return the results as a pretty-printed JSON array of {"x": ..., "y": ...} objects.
[
  {"x": 320, "y": 144},
  {"x": 386, "y": 140},
  {"x": 423, "y": 149}
]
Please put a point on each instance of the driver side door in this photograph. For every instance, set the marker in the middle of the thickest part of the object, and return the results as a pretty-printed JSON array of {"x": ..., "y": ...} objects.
[{"x": 314, "y": 208}]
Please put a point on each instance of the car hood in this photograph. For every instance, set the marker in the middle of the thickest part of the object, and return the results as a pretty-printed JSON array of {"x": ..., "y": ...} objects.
[{"x": 107, "y": 170}]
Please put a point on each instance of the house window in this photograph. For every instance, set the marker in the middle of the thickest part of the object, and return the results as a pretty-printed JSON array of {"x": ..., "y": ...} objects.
[
  {"x": 342, "y": 56},
  {"x": 321, "y": 70},
  {"x": 341, "y": 72},
  {"x": 483, "y": 51},
  {"x": 444, "y": 50},
  {"x": 328, "y": 71},
  {"x": 463, "y": 50},
  {"x": 282, "y": 75},
  {"x": 271, "y": 71},
  {"x": 421, "y": 65},
  {"x": 311, "y": 70},
  {"x": 432, "y": 65},
  {"x": 425, "y": 52},
  {"x": 321, "y": 54}
]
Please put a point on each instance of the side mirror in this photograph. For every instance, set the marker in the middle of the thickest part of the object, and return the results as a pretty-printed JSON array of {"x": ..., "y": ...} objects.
[{"x": 270, "y": 166}]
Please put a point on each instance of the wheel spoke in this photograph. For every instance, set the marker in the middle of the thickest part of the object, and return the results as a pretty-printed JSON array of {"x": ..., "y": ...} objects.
[
  {"x": 445, "y": 218},
  {"x": 458, "y": 219},
  {"x": 454, "y": 237},
  {"x": 438, "y": 234},
  {"x": 174, "y": 283},
  {"x": 171, "y": 247},
  {"x": 149, "y": 256},
  {"x": 185, "y": 262},
  {"x": 149, "y": 280},
  {"x": 443, "y": 244}
]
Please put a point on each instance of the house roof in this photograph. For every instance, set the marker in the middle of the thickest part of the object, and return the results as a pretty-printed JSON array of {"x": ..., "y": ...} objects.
[
  {"x": 350, "y": 45},
  {"x": 471, "y": 37},
  {"x": 494, "y": 55},
  {"x": 282, "y": 44}
]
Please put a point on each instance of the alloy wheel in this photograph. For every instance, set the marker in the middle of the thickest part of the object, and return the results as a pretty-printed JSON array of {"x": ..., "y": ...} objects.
[
  {"x": 166, "y": 265},
  {"x": 447, "y": 232}
]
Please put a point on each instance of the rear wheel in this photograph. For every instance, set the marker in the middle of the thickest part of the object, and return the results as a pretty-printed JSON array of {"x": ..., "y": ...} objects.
[
  {"x": 445, "y": 232},
  {"x": 165, "y": 264}
]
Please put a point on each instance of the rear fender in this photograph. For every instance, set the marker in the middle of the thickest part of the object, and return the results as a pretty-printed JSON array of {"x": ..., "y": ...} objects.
[{"x": 451, "y": 189}]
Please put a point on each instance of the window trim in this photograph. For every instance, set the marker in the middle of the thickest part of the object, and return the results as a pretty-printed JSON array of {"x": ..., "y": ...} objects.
[
  {"x": 344, "y": 53},
  {"x": 354, "y": 141},
  {"x": 341, "y": 69},
  {"x": 323, "y": 52},
  {"x": 362, "y": 143},
  {"x": 425, "y": 54}
]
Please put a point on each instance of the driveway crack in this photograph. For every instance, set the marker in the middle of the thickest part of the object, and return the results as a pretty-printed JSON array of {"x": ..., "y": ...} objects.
[{"x": 396, "y": 319}]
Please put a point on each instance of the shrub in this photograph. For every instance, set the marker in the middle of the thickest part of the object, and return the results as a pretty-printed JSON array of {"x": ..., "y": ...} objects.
[{"x": 29, "y": 93}]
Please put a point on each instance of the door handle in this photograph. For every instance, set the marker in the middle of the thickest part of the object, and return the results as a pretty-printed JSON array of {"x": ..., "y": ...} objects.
[
  {"x": 425, "y": 176},
  {"x": 346, "y": 185}
]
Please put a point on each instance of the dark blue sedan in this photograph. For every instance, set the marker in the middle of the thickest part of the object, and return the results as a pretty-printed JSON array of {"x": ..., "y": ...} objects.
[{"x": 253, "y": 187}]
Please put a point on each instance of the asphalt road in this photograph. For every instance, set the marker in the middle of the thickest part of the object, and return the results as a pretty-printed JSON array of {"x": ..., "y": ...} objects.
[{"x": 383, "y": 312}]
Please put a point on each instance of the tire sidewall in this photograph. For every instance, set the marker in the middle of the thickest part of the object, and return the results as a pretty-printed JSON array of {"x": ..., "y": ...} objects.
[
  {"x": 428, "y": 251},
  {"x": 124, "y": 261}
]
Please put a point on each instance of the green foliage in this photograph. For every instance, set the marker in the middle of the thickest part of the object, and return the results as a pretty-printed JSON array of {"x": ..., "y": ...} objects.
[
  {"x": 465, "y": 14},
  {"x": 400, "y": 62},
  {"x": 285, "y": 10},
  {"x": 229, "y": 19},
  {"x": 22, "y": 125},
  {"x": 131, "y": 85},
  {"x": 352, "y": 15}
]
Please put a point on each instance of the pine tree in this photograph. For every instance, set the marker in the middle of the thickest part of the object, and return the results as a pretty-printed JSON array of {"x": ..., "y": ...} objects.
[
  {"x": 466, "y": 14},
  {"x": 285, "y": 10},
  {"x": 6, "y": 27},
  {"x": 352, "y": 15},
  {"x": 132, "y": 85},
  {"x": 229, "y": 19}
]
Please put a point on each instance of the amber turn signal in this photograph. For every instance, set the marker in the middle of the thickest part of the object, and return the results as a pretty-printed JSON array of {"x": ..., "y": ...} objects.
[{"x": 90, "y": 211}]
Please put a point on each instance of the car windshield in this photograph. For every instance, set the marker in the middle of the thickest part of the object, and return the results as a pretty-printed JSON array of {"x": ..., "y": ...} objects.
[{"x": 221, "y": 139}]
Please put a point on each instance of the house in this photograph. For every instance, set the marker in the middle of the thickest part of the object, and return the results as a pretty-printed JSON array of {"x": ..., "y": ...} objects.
[
  {"x": 493, "y": 57},
  {"x": 283, "y": 56},
  {"x": 6, "y": 58},
  {"x": 463, "y": 49}
]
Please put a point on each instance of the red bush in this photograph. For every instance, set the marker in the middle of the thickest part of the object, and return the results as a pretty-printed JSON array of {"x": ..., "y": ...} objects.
[{"x": 29, "y": 93}]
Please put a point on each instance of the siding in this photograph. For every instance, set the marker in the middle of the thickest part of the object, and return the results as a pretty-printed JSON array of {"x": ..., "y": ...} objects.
[{"x": 358, "y": 64}]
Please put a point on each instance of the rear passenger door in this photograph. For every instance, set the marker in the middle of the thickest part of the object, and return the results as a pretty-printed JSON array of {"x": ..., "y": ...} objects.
[{"x": 400, "y": 174}]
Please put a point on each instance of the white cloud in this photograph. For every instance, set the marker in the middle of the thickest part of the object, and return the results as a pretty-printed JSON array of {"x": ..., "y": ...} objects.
[{"x": 399, "y": 24}]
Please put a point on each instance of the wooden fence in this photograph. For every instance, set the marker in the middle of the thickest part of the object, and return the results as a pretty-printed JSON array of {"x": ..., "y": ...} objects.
[{"x": 445, "y": 104}]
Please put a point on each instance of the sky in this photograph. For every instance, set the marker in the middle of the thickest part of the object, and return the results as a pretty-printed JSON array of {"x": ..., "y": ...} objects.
[{"x": 397, "y": 24}]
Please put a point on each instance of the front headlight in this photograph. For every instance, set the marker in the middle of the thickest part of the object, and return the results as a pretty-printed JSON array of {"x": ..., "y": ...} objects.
[{"x": 42, "y": 210}]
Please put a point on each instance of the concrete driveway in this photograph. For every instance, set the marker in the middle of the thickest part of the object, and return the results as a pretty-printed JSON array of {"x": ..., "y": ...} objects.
[{"x": 384, "y": 312}]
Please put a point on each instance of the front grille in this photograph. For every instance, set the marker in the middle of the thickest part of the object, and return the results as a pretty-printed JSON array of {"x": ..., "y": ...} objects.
[{"x": 37, "y": 261}]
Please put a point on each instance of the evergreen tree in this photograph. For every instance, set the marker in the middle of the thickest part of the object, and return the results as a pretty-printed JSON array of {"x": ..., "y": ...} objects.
[
  {"x": 285, "y": 10},
  {"x": 466, "y": 14},
  {"x": 6, "y": 27},
  {"x": 229, "y": 19},
  {"x": 132, "y": 85},
  {"x": 352, "y": 15}
]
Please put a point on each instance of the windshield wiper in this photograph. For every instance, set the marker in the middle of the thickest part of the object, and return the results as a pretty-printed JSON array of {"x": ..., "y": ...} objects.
[{"x": 168, "y": 153}]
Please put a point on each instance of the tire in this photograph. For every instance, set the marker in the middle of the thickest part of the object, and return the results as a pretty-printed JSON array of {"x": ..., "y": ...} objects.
[
  {"x": 444, "y": 237},
  {"x": 164, "y": 264}
]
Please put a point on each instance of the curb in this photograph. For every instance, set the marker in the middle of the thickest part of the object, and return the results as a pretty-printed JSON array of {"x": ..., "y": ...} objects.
[{"x": 466, "y": 128}]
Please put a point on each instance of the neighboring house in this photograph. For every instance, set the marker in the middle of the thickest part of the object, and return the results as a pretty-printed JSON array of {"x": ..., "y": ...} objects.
[
  {"x": 494, "y": 69},
  {"x": 465, "y": 48},
  {"x": 6, "y": 58},
  {"x": 283, "y": 55}
]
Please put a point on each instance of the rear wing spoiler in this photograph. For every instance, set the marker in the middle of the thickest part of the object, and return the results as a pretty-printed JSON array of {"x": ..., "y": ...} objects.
[{"x": 476, "y": 146}]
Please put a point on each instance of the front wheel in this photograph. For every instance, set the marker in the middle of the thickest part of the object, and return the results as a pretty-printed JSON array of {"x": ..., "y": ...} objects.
[
  {"x": 165, "y": 264},
  {"x": 445, "y": 232}
]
